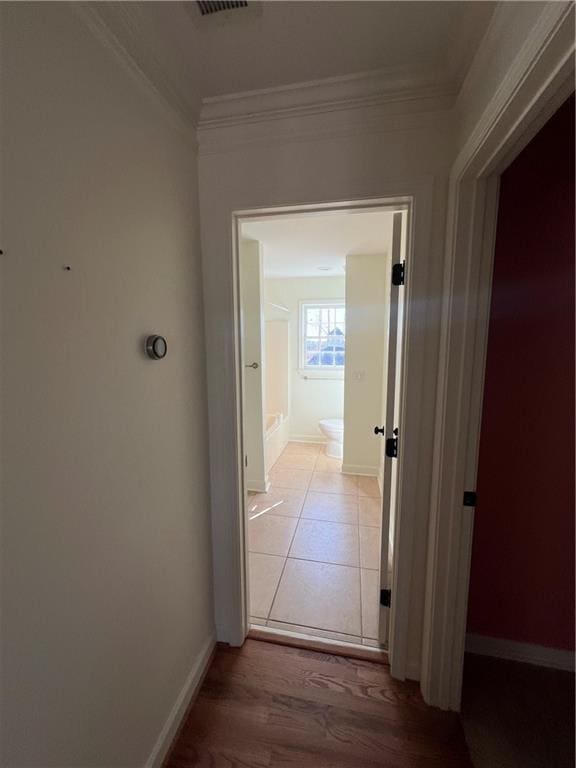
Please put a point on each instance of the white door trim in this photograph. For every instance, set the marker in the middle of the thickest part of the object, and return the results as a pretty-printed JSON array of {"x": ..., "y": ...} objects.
[
  {"x": 538, "y": 82},
  {"x": 407, "y": 466}
]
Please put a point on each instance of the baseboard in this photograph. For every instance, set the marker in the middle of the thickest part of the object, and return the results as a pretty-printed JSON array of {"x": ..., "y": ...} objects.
[
  {"x": 359, "y": 469},
  {"x": 183, "y": 700},
  {"x": 258, "y": 487},
  {"x": 307, "y": 439},
  {"x": 512, "y": 650}
]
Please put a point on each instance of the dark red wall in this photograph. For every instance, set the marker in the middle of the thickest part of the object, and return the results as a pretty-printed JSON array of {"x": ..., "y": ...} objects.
[{"x": 522, "y": 579}]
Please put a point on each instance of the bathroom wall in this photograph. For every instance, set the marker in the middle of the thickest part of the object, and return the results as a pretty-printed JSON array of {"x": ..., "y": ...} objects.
[
  {"x": 367, "y": 292},
  {"x": 311, "y": 399},
  {"x": 276, "y": 384},
  {"x": 277, "y": 368},
  {"x": 253, "y": 351}
]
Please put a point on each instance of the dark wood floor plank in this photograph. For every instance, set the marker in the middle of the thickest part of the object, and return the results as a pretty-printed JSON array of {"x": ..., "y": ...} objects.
[
  {"x": 265, "y": 706},
  {"x": 289, "y": 706},
  {"x": 340, "y": 665},
  {"x": 518, "y": 715},
  {"x": 322, "y": 687}
]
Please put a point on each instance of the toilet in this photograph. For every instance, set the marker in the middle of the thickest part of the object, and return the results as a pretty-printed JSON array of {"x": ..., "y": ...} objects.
[{"x": 333, "y": 429}]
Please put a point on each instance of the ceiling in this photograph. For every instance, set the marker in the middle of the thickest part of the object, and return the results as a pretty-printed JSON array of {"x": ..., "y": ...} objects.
[
  {"x": 291, "y": 42},
  {"x": 296, "y": 246}
]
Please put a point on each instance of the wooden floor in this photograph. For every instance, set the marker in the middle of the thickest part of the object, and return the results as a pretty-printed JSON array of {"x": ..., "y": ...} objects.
[
  {"x": 267, "y": 706},
  {"x": 517, "y": 715}
]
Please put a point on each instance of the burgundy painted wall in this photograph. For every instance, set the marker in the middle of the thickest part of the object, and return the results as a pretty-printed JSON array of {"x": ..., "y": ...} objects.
[{"x": 522, "y": 578}]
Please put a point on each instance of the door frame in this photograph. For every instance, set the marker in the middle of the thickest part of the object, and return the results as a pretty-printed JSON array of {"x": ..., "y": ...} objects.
[
  {"x": 402, "y": 533},
  {"x": 541, "y": 80}
]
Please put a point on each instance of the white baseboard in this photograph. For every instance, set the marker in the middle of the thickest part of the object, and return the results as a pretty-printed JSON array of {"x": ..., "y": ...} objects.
[
  {"x": 253, "y": 487},
  {"x": 359, "y": 469},
  {"x": 307, "y": 439},
  {"x": 540, "y": 655},
  {"x": 174, "y": 719}
]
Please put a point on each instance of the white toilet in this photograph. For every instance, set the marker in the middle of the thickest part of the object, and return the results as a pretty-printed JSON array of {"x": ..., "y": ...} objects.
[{"x": 334, "y": 431}]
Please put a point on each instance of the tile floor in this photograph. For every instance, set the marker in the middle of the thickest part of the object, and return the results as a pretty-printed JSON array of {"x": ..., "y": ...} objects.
[{"x": 314, "y": 544}]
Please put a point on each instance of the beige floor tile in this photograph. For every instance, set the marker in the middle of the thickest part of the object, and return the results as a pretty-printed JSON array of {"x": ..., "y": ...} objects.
[
  {"x": 330, "y": 482},
  {"x": 328, "y": 464},
  {"x": 313, "y": 631},
  {"x": 326, "y": 542},
  {"x": 257, "y": 621},
  {"x": 370, "y": 603},
  {"x": 280, "y": 501},
  {"x": 369, "y": 547},
  {"x": 296, "y": 461},
  {"x": 290, "y": 478},
  {"x": 336, "y": 507},
  {"x": 319, "y": 595},
  {"x": 271, "y": 534},
  {"x": 368, "y": 486},
  {"x": 265, "y": 572},
  {"x": 312, "y": 449},
  {"x": 370, "y": 511}
]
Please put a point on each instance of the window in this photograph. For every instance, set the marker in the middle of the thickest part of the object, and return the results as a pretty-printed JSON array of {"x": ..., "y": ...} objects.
[{"x": 322, "y": 335}]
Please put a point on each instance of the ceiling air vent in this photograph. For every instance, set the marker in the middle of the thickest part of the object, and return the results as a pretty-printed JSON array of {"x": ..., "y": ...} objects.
[
  {"x": 208, "y": 7},
  {"x": 207, "y": 14}
]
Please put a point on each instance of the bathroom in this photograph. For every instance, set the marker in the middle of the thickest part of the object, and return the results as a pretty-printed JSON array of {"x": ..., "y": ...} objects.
[{"x": 314, "y": 295}]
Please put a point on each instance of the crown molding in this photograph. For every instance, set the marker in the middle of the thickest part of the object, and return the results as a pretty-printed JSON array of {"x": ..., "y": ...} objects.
[
  {"x": 116, "y": 25},
  {"x": 326, "y": 126},
  {"x": 363, "y": 102},
  {"x": 412, "y": 88}
]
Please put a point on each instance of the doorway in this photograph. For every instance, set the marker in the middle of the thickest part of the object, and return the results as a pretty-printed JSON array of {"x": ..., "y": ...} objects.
[{"x": 320, "y": 349}]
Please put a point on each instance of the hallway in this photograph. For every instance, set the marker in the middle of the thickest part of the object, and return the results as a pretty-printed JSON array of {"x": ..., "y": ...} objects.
[{"x": 268, "y": 706}]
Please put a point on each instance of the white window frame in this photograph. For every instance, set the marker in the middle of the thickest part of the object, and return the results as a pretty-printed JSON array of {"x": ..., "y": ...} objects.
[{"x": 316, "y": 371}]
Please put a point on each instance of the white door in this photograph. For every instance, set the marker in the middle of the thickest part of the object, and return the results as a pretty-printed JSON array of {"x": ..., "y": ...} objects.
[
  {"x": 392, "y": 436},
  {"x": 252, "y": 346}
]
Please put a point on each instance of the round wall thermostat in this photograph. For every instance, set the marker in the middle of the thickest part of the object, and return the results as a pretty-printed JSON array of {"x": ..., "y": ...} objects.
[{"x": 156, "y": 347}]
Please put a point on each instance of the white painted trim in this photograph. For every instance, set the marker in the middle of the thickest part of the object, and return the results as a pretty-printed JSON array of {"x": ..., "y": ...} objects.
[
  {"x": 346, "y": 122},
  {"x": 369, "y": 650},
  {"x": 528, "y": 653},
  {"x": 353, "y": 91},
  {"x": 546, "y": 59},
  {"x": 189, "y": 690},
  {"x": 419, "y": 194},
  {"x": 360, "y": 469},
  {"x": 541, "y": 75}
]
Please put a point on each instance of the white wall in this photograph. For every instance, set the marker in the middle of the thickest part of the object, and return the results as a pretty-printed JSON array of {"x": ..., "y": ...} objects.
[
  {"x": 367, "y": 310},
  {"x": 335, "y": 156},
  {"x": 311, "y": 399},
  {"x": 106, "y": 572}
]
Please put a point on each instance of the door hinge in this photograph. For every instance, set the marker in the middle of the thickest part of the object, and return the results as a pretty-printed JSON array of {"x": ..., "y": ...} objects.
[
  {"x": 469, "y": 499},
  {"x": 385, "y": 597},
  {"x": 246, "y": 460},
  {"x": 392, "y": 445},
  {"x": 398, "y": 273}
]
